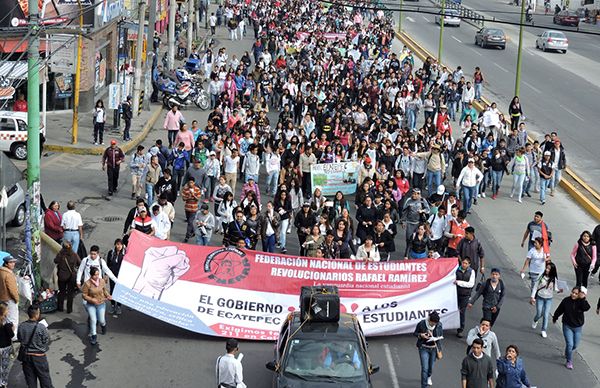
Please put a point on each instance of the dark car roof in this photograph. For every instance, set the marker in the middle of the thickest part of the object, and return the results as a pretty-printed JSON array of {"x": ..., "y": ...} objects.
[{"x": 345, "y": 328}]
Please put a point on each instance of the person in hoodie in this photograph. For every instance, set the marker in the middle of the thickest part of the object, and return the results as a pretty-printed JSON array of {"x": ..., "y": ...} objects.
[
  {"x": 511, "y": 372},
  {"x": 93, "y": 260},
  {"x": 114, "y": 258},
  {"x": 572, "y": 309},
  {"x": 490, "y": 340},
  {"x": 493, "y": 296}
]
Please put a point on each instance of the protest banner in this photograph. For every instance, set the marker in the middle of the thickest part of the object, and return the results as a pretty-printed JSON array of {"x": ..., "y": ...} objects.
[
  {"x": 334, "y": 177},
  {"x": 247, "y": 294}
]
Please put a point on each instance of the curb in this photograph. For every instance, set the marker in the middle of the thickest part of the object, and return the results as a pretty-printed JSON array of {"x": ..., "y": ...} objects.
[
  {"x": 100, "y": 150},
  {"x": 575, "y": 193}
]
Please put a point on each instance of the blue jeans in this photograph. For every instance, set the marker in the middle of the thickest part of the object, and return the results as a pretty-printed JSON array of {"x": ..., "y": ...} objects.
[
  {"x": 544, "y": 184},
  {"x": 478, "y": 88},
  {"x": 96, "y": 314},
  {"x": 283, "y": 232},
  {"x": 452, "y": 110},
  {"x": 411, "y": 114},
  {"x": 518, "y": 180},
  {"x": 414, "y": 255},
  {"x": 529, "y": 182},
  {"x": 251, "y": 176},
  {"x": 496, "y": 180},
  {"x": 433, "y": 178},
  {"x": 150, "y": 192},
  {"x": 202, "y": 240},
  {"x": 572, "y": 337},
  {"x": 73, "y": 238},
  {"x": 469, "y": 193},
  {"x": 427, "y": 356},
  {"x": 542, "y": 310},
  {"x": 269, "y": 244},
  {"x": 272, "y": 182},
  {"x": 555, "y": 179}
]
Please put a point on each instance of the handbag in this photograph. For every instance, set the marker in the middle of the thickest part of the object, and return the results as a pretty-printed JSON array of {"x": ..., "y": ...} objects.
[{"x": 23, "y": 348}]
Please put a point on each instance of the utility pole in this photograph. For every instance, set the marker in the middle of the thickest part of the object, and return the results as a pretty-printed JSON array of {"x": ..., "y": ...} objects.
[
  {"x": 172, "y": 11},
  {"x": 441, "y": 44},
  {"x": 400, "y": 17},
  {"x": 77, "y": 77},
  {"x": 137, "y": 75},
  {"x": 521, "y": 27},
  {"x": 151, "y": 23},
  {"x": 34, "y": 253},
  {"x": 190, "y": 26}
]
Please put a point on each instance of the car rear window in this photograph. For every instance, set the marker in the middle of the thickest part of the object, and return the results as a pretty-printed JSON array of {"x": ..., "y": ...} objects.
[
  {"x": 495, "y": 32},
  {"x": 558, "y": 35}
]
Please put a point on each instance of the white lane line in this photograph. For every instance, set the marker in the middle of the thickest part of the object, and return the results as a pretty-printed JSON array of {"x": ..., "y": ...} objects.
[
  {"x": 425, "y": 18},
  {"x": 532, "y": 87},
  {"x": 456, "y": 39},
  {"x": 390, "y": 361},
  {"x": 501, "y": 68},
  {"x": 571, "y": 112},
  {"x": 530, "y": 51},
  {"x": 410, "y": 19},
  {"x": 476, "y": 52}
]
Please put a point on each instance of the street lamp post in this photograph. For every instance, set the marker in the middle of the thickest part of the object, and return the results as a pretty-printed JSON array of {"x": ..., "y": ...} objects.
[
  {"x": 400, "y": 17},
  {"x": 521, "y": 26},
  {"x": 441, "y": 43}
]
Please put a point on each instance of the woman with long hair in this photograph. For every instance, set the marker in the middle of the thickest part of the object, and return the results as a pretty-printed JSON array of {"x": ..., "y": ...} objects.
[
  {"x": 225, "y": 211},
  {"x": 418, "y": 244},
  {"x": 67, "y": 262},
  {"x": 343, "y": 237},
  {"x": 515, "y": 110},
  {"x": 99, "y": 120},
  {"x": 572, "y": 309},
  {"x": 95, "y": 295},
  {"x": 583, "y": 257},
  {"x": 283, "y": 206},
  {"x": 313, "y": 241},
  {"x": 368, "y": 251},
  {"x": 536, "y": 261},
  {"x": 541, "y": 295},
  {"x": 511, "y": 371}
]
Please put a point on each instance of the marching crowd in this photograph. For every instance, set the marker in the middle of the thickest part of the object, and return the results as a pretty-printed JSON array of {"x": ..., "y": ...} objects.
[{"x": 321, "y": 84}]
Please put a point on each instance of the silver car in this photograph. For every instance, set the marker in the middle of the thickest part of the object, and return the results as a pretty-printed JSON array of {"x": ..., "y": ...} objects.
[
  {"x": 15, "y": 209},
  {"x": 552, "y": 40},
  {"x": 451, "y": 18}
]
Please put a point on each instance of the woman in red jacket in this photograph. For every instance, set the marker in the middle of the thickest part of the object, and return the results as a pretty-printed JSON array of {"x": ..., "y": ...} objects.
[{"x": 52, "y": 221}]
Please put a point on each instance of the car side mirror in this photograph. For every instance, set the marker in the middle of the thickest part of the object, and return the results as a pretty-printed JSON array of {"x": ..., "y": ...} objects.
[
  {"x": 374, "y": 369},
  {"x": 271, "y": 365}
]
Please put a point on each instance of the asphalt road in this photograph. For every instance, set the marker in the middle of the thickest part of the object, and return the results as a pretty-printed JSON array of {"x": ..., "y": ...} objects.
[
  {"x": 558, "y": 91},
  {"x": 586, "y": 45}
]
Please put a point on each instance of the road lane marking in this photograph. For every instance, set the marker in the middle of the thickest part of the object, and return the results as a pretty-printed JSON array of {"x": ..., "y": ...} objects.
[
  {"x": 476, "y": 52},
  {"x": 530, "y": 51},
  {"x": 425, "y": 18},
  {"x": 532, "y": 87},
  {"x": 392, "y": 368},
  {"x": 410, "y": 19},
  {"x": 456, "y": 39},
  {"x": 501, "y": 68},
  {"x": 571, "y": 112}
]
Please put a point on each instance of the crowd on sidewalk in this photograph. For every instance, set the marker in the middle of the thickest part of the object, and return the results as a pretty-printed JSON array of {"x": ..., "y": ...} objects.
[{"x": 323, "y": 85}]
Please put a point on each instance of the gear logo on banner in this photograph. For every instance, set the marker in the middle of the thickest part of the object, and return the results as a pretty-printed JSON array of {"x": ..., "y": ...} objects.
[{"x": 227, "y": 265}]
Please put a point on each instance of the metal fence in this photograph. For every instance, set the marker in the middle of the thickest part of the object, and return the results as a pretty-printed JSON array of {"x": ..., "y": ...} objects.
[{"x": 467, "y": 14}]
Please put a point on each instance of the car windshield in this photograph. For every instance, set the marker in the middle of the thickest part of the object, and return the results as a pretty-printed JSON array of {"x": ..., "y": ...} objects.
[
  {"x": 452, "y": 13},
  {"x": 557, "y": 35},
  {"x": 323, "y": 359}
]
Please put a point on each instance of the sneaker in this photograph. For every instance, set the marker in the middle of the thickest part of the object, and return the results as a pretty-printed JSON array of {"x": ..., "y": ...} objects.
[
  {"x": 111, "y": 309},
  {"x": 478, "y": 195},
  {"x": 429, "y": 382},
  {"x": 552, "y": 195},
  {"x": 95, "y": 143},
  {"x": 118, "y": 310},
  {"x": 543, "y": 202},
  {"x": 482, "y": 195},
  {"x": 569, "y": 365},
  {"x": 283, "y": 250},
  {"x": 459, "y": 334},
  {"x": 529, "y": 195},
  {"x": 93, "y": 339},
  {"x": 512, "y": 195},
  {"x": 103, "y": 329},
  {"x": 493, "y": 196},
  {"x": 520, "y": 200},
  {"x": 132, "y": 195},
  {"x": 534, "y": 324},
  {"x": 544, "y": 335}
]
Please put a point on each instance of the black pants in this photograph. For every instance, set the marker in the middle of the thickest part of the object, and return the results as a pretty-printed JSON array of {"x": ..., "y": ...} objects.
[
  {"x": 489, "y": 315},
  {"x": 306, "y": 187},
  {"x": 36, "y": 368},
  {"x": 171, "y": 136},
  {"x": 302, "y": 240},
  {"x": 154, "y": 95},
  {"x": 98, "y": 133},
  {"x": 178, "y": 175},
  {"x": 126, "y": 130},
  {"x": 113, "y": 178},
  {"x": 112, "y": 290},
  {"x": 463, "y": 300},
  {"x": 417, "y": 181},
  {"x": 582, "y": 273},
  {"x": 66, "y": 290},
  {"x": 189, "y": 216}
]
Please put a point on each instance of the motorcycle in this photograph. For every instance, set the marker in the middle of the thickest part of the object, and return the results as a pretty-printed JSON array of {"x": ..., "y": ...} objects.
[{"x": 182, "y": 93}]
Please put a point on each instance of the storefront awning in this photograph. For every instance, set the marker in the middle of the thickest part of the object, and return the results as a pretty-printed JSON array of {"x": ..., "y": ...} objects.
[
  {"x": 13, "y": 70},
  {"x": 7, "y": 45}
]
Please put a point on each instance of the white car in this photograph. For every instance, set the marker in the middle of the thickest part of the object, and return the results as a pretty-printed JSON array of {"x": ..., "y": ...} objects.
[
  {"x": 552, "y": 40},
  {"x": 451, "y": 18},
  {"x": 15, "y": 208},
  {"x": 13, "y": 133}
]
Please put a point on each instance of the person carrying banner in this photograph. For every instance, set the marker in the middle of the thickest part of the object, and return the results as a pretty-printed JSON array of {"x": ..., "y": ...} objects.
[
  {"x": 236, "y": 230},
  {"x": 230, "y": 372}
]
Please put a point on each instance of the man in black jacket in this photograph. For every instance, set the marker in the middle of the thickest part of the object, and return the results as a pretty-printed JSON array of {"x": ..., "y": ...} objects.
[
  {"x": 305, "y": 219},
  {"x": 237, "y": 230},
  {"x": 34, "y": 336},
  {"x": 384, "y": 241},
  {"x": 127, "y": 116},
  {"x": 133, "y": 212}
]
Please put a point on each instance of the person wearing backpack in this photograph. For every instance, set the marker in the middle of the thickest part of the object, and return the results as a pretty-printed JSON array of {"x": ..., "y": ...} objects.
[
  {"x": 67, "y": 263},
  {"x": 127, "y": 114},
  {"x": 93, "y": 260},
  {"x": 35, "y": 341},
  {"x": 493, "y": 296}
]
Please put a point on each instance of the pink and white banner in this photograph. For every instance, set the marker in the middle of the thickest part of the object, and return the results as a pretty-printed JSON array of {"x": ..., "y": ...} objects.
[{"x": 247, "y": 294}]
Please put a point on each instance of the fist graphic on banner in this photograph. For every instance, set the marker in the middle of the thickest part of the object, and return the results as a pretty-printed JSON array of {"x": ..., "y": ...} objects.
[{"x": 160, "y": 270}]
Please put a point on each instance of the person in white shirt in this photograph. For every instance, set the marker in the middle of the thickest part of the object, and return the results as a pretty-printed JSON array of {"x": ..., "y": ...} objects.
[
  {"x": 230, "y": 373},
  {"x": 93, "y": 260},
  {"x": 273, "y": 166},
  {"x": 438, "y": 223},
  {"x": 368, "y": 251},
  {"x": 72, "y": 226},
  {"x": 231, "y": 168},
  {"x": 162, "y": 221},
  {"x": 469, "y": 178}
]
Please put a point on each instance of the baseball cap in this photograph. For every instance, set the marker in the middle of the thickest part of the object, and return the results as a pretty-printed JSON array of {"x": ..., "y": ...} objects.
[
  {"x": 583, "y": 289},
  {"x": 6, "y": 257},
  {"x": 306, "y": 203},
  {"x": 113, "y": 142},
  {"x": 547, "y": 153},
  {"x": 441, "y": 189}
]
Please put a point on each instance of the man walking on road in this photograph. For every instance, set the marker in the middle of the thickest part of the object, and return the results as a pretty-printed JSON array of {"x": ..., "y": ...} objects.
[
  {"x": 470, "y": 247},
  {"x": 34, "y": 336},
  {"x": 72, "y": 225},
  {"x": 111, "y": 162},
  {"x": 465, "y": 280},
  {"x": 536, "y": 228},
  {"x": 230, "y": 373},
  {"x": 127, "y": 116},
  {"x": 477, "y": 369}
]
